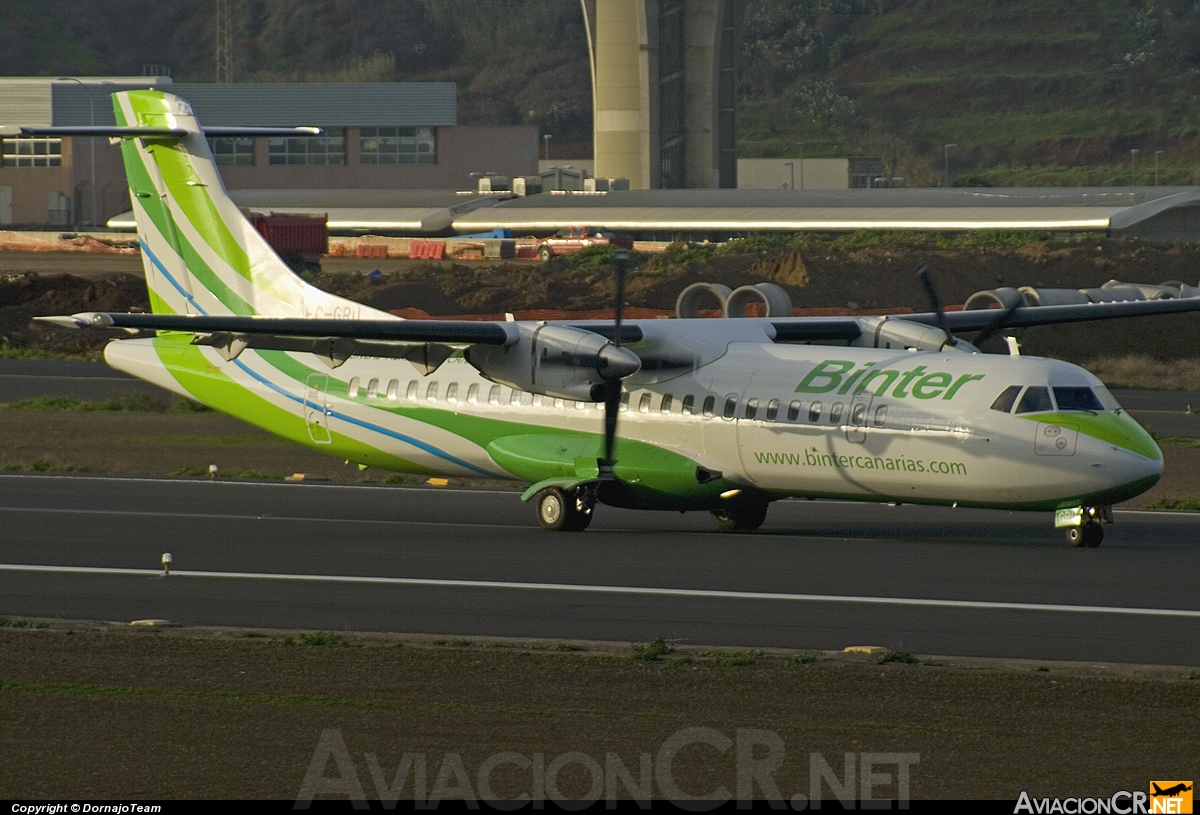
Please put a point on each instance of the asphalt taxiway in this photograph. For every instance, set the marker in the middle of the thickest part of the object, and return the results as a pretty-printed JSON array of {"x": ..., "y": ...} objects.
[{"x": 819, "y": 575}]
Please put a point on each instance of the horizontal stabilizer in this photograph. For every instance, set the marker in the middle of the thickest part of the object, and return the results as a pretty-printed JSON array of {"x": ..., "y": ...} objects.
[
  {"x": 147, "y": 131},
  {"x": 453, "y": 331}
]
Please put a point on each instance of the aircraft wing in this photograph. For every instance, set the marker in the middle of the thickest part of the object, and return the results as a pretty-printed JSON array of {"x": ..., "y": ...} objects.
[{"x": 1026, "y": 316}]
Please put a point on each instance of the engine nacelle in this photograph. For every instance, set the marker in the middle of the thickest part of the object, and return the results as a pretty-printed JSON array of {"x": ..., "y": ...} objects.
[
  {"x": 556, "y": 360},
  {"x": 896, "y": 332}
]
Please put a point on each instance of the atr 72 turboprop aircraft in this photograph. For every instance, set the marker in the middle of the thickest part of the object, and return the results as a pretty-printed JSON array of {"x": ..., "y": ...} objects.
[{"x": 716, "y": 415}]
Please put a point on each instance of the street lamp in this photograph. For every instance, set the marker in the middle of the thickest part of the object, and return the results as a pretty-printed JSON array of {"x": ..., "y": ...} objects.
[
  {"x": 946, "y": 164},
  {"x": 1133, "y": 166},
  {"x": 791, "y": 165},
  {"x": 1157, "y": 153},
  {"x": 800, "y": 144},
  {"x": 547, "y": 139}
]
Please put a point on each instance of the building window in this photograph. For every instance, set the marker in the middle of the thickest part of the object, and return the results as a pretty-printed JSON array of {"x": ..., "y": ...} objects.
[
  {"x": 233, "y": 151},
  {"x": 32, "y": 152},
  {"x": 327, "y": 149},
  {"x": 397, "y": 145}
]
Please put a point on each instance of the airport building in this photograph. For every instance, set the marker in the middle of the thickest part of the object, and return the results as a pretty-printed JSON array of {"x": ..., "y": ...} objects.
[{"x": 402, "y": 135}]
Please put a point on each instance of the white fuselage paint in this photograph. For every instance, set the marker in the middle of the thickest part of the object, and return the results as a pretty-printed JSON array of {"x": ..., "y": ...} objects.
[{"x": 897, "y": 447}]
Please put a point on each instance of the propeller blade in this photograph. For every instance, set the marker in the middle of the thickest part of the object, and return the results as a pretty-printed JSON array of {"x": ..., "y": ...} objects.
[
  {"x": 612, "y": 386},
  {"x": 998, "y": 324},
  {"x": 935, "y": 302}
]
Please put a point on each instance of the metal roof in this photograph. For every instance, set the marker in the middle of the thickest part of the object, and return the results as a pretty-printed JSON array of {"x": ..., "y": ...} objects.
[
  {"x": 64, "y": 102},
  {"x": 1072, "y": 209}
]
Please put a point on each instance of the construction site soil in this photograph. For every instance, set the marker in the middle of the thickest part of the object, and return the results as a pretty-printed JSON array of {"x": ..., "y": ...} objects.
[{"x": 830, "y": 281}]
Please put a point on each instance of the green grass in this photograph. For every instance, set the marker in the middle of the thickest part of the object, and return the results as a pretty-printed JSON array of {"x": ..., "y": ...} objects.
[
  {"x": 5, "y": 622},
  {"x": 1193, "y": 675},
  {"x": 24, "y": 352},
  {"x": 1186, "y": 504},
  {"x": 43, "y": 465},
  {"x": 134, "y": 402},
  {"x": 734, "y": 659},
  {"x": 657, "y": 647},
  {"x": 803, "y": 659},
  {"x": 317, "y": 638},
  {"x": 903, "y": 657}
]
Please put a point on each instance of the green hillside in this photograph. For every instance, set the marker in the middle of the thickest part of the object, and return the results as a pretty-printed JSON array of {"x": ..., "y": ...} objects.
[{"x": 1032, "y": 91}]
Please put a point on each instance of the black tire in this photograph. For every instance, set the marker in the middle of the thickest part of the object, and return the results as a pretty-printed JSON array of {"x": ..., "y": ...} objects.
[
  {"x": 740, "y": 519},
  {"x": 1088, "y": 535},
  {"x": 557, "y": 511},
  {"x": 545, "y": 253}
]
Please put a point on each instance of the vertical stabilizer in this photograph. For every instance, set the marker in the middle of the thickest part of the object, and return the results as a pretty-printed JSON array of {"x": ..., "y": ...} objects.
[{"x": 201, "y": 255}]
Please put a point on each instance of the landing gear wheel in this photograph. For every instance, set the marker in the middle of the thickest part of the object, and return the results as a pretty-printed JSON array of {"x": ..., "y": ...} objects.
[
  {"x": 545, "y": 253},
  {"x": 560, "y": 511},
  {"x": 740, "y": 519},
  {"x": 1089, "y": 535}
]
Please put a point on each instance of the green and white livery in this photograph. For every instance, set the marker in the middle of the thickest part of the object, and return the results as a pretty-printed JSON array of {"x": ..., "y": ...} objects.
[{"x": 715, "y": 415}]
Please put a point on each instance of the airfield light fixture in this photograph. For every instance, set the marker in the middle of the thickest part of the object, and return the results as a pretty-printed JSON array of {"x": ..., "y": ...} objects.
[
  {"x": 946, "y": 164},
  {"x": 166, "y": 563}
]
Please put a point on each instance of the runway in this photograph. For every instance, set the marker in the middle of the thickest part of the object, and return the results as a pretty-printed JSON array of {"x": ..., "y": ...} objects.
[{"x": 820, "y": 575}]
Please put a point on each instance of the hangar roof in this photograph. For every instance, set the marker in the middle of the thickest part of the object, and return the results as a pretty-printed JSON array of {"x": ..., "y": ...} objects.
[{"x": 64, "y": 102}]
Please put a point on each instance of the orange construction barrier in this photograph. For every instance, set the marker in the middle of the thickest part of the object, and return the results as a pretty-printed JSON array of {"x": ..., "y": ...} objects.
[{"x": 429, "y": 250}]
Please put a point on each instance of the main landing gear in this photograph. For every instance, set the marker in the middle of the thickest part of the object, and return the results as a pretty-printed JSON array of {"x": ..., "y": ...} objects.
[
  {"x": 745, "y": 518},
  {"x": 561, "y": 510}
]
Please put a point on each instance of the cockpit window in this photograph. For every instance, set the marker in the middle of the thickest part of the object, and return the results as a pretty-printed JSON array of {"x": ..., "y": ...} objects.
[
  {"x": 1077, "y": 399},
  {"x": 1007, "y": 399},
  {"x": 1106, "y": 398},
  {"x": 1035, "y": 400}
]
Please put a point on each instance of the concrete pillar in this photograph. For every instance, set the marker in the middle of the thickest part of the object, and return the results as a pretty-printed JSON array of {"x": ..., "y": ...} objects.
[{"x": 618, "y": 67}]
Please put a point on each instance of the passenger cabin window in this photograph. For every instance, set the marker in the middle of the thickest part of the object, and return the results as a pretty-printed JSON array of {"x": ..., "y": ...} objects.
[
  {"x": 411, "y": 393},
  {"x": 393, "y": 391},
  {"x": 751, "y": 408},
  {"x": 515, "y": 397},
  {"x": 559, "y": 403},
  {"x": 452, "y": 392},
  {"x": 689, "y": 403},
  {"x": 538, "y": 399},
  {"x": 352, "y": 388},
  {"x": 772, "y": 410},
  {"x": 1077, "y": 399},
  {"x": 581, "y": 405},
  {"x": 431, "y": 392},
  {"x": 624, "y": 405},
  {"x": 644, "y": 403},
  {"x": 372, "y": 388},
  {"x": 665, "y": 407},
  {"x": 494, "y": 395},
  {"x": 473, "y": 394},
  {"x": 858, "y": 415},
  {"x": 835, "y": 413},
  {"x": 880, "y": 415},
  {"x": 793, "y": 411},
  {"x": 1005, "y": 401},
  {"x": 1035, "y": 400},
  {"x": 730, "y": 406},
  {"x": 814, "y": 412},
  {"x": 710, "y": 402}
]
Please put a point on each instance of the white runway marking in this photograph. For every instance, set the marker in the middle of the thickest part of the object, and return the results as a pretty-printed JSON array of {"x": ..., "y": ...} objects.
[{"x": 628, "y": 590}]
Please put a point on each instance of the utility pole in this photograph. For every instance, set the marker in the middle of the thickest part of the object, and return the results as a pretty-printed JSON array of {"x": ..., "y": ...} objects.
[
  {"x": 225, "y": 41},
  {"x": 801, "y": 146},
  {"x": 547, "y": 138},
  {"x": 791, "y": 165},
  {"x": 1133, "y": 166}
]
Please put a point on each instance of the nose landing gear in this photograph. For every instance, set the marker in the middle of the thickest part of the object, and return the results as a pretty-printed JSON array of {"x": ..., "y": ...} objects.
[
  {"x": 1088, "y": 535},
  {"x": 1083, "y": 525}
]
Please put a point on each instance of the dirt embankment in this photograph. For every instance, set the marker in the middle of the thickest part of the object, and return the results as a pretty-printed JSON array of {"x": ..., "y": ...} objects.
[{"x": 870, "y": 278}]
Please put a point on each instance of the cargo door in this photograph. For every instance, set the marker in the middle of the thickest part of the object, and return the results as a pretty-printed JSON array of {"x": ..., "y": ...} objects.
[
  {"x": 860, "y": 416},
  {"x": 316, "y": 409}
]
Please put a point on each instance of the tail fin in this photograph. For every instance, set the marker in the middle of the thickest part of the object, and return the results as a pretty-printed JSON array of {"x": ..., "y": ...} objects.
[{"x": 200, "y": 254}]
